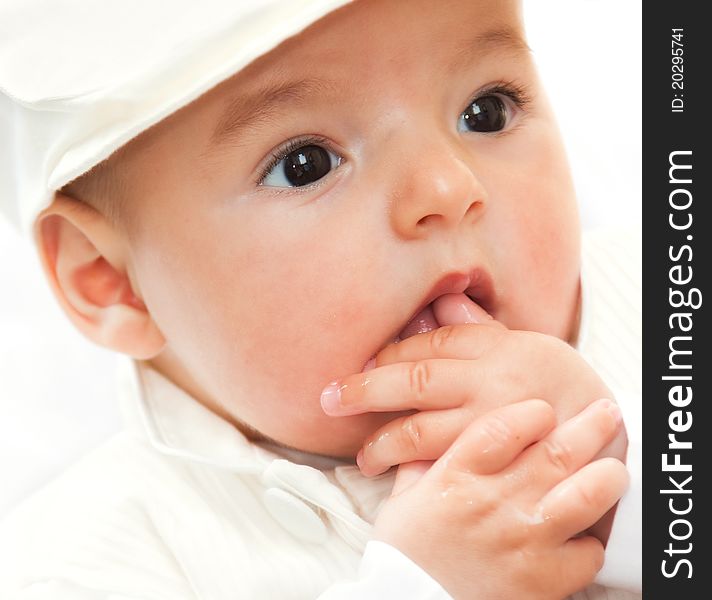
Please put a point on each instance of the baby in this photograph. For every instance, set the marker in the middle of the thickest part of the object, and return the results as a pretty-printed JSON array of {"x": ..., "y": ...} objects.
[{"x": 362, "y": 244}]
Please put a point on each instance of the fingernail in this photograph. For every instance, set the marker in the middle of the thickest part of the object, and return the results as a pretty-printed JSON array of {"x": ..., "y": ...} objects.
[
  {"x": 371, "y": 364},
  {"x": 608, "y": 406},
  {"x": 367, "y": 470},
  {"x": 615, "y": 412},
  {"x": 331, "y": 398}
]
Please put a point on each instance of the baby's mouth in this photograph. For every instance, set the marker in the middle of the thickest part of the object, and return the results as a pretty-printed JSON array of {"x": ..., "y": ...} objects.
[
  {"x": 455, "y": 299},
  {"x": 422, "y": 322}
]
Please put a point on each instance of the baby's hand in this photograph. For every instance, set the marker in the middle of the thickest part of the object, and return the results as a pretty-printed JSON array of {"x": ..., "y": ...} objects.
[
  {"x": 495, "y": 516},
  {"x": 457, "y": 373}
]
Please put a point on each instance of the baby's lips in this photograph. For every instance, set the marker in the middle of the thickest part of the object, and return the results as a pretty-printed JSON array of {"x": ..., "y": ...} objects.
[{"x": 455, "y": 309}]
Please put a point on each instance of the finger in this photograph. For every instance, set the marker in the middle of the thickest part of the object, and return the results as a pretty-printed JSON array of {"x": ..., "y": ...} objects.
[
  {"x": 581, "y": 559},
  {"x": 493, "y": 441},
  {"x": 468, "y": 341},
  {"x": 421, "y": 385},
  {"x": 571, "y": 445},
  {"x": 424, "y": 435},
  {"x": 456, "y": 309},
  {"x": 582, "y": 499},
  {"x": 408, "y": 474}
]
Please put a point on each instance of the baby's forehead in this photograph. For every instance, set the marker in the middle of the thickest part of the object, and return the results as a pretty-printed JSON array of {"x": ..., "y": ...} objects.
[
  {"x": 343, "y": 56},
  {"x": 379, "y": 32},
  {"x": 360, "y": 44}
]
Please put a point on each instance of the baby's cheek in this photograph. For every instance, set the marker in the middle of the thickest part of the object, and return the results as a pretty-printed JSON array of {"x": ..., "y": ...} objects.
[
  {"x": 551, "y": 225},
  {"x": 538, "y": 275}
]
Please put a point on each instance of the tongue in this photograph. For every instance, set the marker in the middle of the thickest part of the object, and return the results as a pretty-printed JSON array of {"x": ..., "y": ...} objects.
[
  {"x": 449, "y": 309},
  {"x": 423, "y": 322}
]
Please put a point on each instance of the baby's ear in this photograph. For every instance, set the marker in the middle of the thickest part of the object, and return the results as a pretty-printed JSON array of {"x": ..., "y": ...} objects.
[{"x": 85, "y": 258}]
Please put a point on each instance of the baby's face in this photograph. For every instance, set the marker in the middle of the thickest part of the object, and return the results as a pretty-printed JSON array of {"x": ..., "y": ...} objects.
[{"x": 280, "y": 243}]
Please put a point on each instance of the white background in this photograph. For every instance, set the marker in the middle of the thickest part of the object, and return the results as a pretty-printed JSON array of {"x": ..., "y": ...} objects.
[{"x": 56, "y": 389}]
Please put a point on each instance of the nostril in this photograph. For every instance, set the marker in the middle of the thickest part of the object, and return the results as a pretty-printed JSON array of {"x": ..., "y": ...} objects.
[
  {"x": 429, "y": 220},
  {"x": 474, "y": 210}
]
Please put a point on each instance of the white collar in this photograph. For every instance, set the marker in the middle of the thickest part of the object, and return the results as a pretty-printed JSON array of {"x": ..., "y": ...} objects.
[{"x": 178, "y": 425}]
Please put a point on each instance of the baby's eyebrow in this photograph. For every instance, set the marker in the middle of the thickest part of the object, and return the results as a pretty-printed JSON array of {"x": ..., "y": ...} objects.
[
  {"x": 255, "y": 108},
  {"x": 491, "y": 41},
  {"x": 252, "y": 109}
]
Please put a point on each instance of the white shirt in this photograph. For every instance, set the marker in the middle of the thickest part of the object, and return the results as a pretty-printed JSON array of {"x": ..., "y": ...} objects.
[{"x": 181, "y": 506}]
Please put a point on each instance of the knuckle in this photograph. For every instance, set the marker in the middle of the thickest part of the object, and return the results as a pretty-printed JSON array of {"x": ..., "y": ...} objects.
[
  {"x": 586, "y": 495},
  {"x": 419, "y": 377},
  {"x": 411, "y": 436},
  {"x": 548, "y": 342},
  {"x": 559, "y": 455},
  {"x": 529, "y": 340},
  {"x": 496, "y": 340},
  {"x": 496, "y": 430},
  {"x": 543, "y": 348},
  {"x": 442, "y": 339}
]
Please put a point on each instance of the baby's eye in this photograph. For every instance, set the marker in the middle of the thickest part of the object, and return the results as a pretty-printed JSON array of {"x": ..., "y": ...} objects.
[
  {"x": 484, "y": 114},
  {"x": 298, "y": 165}
]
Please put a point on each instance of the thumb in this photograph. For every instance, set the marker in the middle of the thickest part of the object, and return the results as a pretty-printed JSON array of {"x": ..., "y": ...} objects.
[
  {"x": 455, "y": 309},
  {"x": 408, "y": 474}
]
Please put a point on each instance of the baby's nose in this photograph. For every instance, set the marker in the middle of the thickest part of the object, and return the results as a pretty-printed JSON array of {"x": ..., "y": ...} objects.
[{"x": 437, "y": 190}]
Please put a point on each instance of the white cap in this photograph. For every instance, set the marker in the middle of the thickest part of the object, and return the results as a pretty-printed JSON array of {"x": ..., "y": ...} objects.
[{"x": 80, "y": 78}]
